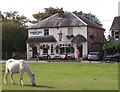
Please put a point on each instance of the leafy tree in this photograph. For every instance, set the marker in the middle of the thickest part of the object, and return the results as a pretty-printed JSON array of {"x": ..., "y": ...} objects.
[
  {"x": 14, "y": 16},
  {"x": 14, "y": 33},
  {"x": 42, "y": 15}
]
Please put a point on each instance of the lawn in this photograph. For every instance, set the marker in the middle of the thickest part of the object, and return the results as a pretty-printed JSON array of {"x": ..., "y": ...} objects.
[{"x": 69, "y": 76}]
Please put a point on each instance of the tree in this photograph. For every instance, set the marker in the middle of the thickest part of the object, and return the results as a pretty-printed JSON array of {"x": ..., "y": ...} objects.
[
  {"x": 42, "y": 15},
  {"x": 14, "y": 33},
  {"x": 14, "y": 16}
]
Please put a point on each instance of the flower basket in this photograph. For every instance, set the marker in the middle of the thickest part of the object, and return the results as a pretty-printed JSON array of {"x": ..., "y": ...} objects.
[
  {"x": 69, "y": 36},
  {"x": 44, "y": 47}
]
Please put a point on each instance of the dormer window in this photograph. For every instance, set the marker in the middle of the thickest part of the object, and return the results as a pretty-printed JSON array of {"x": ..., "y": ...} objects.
[{"x": 46, "y": 32}]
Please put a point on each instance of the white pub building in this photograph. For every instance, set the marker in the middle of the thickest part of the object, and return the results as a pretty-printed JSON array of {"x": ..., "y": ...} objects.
[{"x": 63, "y": 33}]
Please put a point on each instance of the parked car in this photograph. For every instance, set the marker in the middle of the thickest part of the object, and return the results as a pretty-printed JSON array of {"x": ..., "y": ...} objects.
[
  {"x": 107, "y": 58},
  {"x": 94, "y": 56},
  {"x": 45, "y": 56},
  {"x": 58, "y": 58},
  {"x": 114, "y": 57}
]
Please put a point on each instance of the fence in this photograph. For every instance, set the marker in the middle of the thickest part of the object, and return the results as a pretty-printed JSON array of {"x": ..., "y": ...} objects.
[{"x": 15, "y": 55}]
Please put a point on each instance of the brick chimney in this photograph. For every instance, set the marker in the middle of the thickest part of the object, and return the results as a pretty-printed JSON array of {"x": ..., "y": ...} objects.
[
  {"x": 60, "y": 13},
  {"x": 119, "y": 8}
]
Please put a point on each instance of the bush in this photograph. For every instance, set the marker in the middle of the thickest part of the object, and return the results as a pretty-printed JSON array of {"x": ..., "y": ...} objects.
[{"x": 111, "y": 47}]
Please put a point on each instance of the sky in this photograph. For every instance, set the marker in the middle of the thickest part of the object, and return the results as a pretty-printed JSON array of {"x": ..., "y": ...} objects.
[{"x": 105, "y": 10}]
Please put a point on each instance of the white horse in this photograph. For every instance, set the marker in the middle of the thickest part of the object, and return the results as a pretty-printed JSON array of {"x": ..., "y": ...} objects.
[{"x": 20, "y": 66}]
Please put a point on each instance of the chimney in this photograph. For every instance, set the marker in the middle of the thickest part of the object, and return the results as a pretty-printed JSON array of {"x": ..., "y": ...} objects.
[
  {"x": 60, "y": 13},
  {"x": 119, "y": 8}
]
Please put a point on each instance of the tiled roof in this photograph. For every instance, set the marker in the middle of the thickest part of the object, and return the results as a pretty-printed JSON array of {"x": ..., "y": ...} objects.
[
  {"x": 48, "y": 38},
  {"x": 116, "y": 23},
  {"x": 69, "y": 20},
  {"x": 78, "y": 39}
]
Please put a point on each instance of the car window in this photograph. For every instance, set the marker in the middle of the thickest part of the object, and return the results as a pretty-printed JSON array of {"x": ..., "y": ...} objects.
[{"x": 93, "y": 53}]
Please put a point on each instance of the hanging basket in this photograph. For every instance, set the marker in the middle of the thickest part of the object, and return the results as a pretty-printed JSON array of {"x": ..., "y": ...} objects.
[
  {"x": 44, "y": 47},
  {"x": 69, "y": 36}
]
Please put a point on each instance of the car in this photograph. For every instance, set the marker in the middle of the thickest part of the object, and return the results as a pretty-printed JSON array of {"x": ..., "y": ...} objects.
[
  {"x": 58, "y": 58},
  {"x": 94, "y": 56},
  {"x": 107, "y": 58},
  {"x": 45, "y": 56},
  {"x": 114, "y": 57}
]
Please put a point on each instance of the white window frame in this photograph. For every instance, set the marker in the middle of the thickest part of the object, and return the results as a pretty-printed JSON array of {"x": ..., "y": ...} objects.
[
  {"x": 116, "y": 36},
  {"x": 70, "y": 30},
  {"x": 46, "y": 32}
]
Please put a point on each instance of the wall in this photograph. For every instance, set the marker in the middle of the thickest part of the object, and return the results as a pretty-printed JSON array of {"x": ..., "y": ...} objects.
[
  {"x": 96, "y": 36},
  {"x": 65, "y": 40}
]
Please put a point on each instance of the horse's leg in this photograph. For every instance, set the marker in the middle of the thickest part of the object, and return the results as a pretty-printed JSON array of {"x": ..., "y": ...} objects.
[
  {"x": 11, "y": 75},
  {"x": 6, "y": 75},
  {"x": 5, "y": 78},
  {"x": 21, "y": 78}
]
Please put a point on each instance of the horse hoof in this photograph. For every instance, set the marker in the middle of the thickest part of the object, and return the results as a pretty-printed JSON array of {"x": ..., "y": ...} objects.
[
  {"x": 34, "y": 85},
  {"x": 13, "y": 83},
  {"x": 6, "y": 83},
  {"x": 22, "y": 84}
]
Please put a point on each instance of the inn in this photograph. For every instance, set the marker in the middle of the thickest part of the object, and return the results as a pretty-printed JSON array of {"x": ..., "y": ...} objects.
[{"x": 64, "y": 33}]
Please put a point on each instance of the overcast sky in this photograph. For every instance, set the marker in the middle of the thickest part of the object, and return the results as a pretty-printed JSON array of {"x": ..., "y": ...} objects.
[{"x": 105, "y": 10}]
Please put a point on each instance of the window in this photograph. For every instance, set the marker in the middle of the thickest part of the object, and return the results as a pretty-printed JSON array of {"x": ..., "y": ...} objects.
[
  {"x": 117, "y": 35},
  {"x": 70, "y": 31},
  {"x": 57, "y": 51},
  {"x": 46, "y": 32},
  {"x": 51, "y": 49},
  {"x": 45, "y": 51},
  {"x": 66, "y": 48},
  {"x": 62, "y": 50}
]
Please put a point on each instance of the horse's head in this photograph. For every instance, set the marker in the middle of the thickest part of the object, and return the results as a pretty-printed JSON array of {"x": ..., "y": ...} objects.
[{"x": 33, "y": 80}]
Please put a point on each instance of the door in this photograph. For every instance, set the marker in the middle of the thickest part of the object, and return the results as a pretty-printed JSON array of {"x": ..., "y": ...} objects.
[
  {"x": 80, "y": 48},
  {"x": 34, "y": 51}
]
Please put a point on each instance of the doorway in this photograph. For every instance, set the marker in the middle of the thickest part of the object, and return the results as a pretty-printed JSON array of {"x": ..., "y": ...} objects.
[
  {"x": 80, "y": 48},
  {"x": 34, "y": 51}
]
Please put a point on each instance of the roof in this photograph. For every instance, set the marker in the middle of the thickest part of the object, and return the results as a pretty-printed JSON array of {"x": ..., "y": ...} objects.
[
  {"x": 89, "y": 22},
  {"x": 116, "y": 24},
  {"x": 48, "y": 38},
  {"x": 69, "y": 20},
  {"x": 78, "y": 39}
]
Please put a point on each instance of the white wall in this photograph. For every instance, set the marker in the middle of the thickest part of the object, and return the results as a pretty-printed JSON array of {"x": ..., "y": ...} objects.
[
  {"x": 65, "y": 40},
  {"x": 80, "y": 30}
]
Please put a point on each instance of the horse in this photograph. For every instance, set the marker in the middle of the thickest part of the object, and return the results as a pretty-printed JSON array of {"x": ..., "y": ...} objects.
[{"x": 19, "y": 66}]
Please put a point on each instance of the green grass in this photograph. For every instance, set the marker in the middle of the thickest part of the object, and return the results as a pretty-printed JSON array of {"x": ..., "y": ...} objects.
[{"x": 69, "y": 76}]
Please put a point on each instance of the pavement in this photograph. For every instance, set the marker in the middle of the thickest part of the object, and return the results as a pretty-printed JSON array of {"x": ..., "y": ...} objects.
[{"x": 44, "y": 61}]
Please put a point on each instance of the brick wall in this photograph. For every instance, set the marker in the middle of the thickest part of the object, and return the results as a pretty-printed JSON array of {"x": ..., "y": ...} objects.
[{"x": 95, "y": 38}]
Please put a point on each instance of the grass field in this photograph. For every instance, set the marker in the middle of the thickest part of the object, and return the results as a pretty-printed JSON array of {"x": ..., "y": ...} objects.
[{"x": 69, "y": 76}]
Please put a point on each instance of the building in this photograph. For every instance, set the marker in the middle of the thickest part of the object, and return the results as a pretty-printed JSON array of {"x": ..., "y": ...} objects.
[
  {"x": 64, "y": 33},
  {"x": 115, "y": 29}
]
